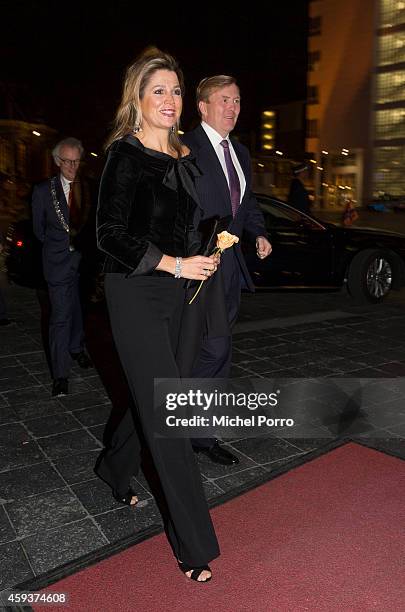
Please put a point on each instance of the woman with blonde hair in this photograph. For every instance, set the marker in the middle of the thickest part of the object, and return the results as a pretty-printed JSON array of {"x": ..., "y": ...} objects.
[{"x": 145, "y": 225}]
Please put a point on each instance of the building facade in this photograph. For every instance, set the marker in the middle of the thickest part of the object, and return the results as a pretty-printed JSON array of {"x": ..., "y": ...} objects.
[
  {"x": 356, "y": 99},
  {"x": 25, "y": 159}
]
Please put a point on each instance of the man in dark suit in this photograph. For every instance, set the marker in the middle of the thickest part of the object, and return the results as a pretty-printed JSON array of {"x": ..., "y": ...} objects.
[
  {"x": 60, "y": 211},
  {"x": 224, "y": 189},
  {"x": 298, "y": 195}
]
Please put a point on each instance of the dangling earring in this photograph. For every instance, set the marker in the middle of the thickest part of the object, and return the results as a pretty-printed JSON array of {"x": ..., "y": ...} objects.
[
  {"x": 172, "y": 129},
  {"x": 137, "y": 128}
]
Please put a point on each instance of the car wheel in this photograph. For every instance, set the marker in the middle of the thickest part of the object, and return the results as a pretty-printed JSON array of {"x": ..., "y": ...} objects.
[{"x": 371, "y": 276}]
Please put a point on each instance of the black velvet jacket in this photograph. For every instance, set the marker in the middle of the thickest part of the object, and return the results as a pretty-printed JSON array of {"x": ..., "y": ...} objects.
[{"x": 147, "y": 207}]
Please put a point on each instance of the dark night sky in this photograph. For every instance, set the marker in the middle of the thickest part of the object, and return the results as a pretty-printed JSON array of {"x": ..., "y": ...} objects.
[{"x": 64, "y": 62}]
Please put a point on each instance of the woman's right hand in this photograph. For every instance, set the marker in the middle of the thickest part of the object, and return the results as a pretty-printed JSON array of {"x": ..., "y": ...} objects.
[{"x": 197, "y": 267}]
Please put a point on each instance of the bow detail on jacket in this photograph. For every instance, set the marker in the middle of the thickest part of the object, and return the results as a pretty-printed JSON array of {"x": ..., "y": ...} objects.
[{"x": 184, "y": 170}]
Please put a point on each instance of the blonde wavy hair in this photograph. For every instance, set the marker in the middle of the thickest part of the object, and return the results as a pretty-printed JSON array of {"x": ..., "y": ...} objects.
[{"x": 129, "y": 114}]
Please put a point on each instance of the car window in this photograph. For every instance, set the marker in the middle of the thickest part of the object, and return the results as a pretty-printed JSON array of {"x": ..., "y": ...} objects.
[
  {"x": 275, "y": 216},
  {"x": 279, "y": 216}
]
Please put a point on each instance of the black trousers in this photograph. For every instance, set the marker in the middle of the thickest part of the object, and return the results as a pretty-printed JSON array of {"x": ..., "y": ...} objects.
[
  {"x": 66, "y": 334},
  {"x": 214, "y": 360},
  {"x": 146, "y": 316}
]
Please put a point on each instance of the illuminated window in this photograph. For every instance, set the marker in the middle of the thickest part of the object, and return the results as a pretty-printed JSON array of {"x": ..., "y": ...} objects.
[
  {"x": 390, "y": 87},
  {"x": 389, "y": 176},
  {"x": 391, "y": 48},
  {"x": 392, "y": 12},
  {"x": 390, "y": 124},
  {"x": 314, "y": 57}
]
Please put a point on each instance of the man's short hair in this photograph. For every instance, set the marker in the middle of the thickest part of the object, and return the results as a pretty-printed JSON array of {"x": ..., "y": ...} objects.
[
  {"x": 67, "y": 142},
  {"x": 210, "y": 84}
]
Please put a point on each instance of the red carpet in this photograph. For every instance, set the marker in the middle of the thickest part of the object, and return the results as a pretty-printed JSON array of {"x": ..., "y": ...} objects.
[{"x": 327, "y": 536}]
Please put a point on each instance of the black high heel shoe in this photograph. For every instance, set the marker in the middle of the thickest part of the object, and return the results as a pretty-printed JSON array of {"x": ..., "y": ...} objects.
[
  {"x": 126, "y": 498},
  {"x": 195, "y": 571}
]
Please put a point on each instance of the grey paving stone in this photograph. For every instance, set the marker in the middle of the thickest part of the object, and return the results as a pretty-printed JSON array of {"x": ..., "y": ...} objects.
[
  {"x": 29, "y": 359},
  {"x": 7, "y": 415},
  {"x": 237, "y": 372},
  {"x": 84, "y": 400},
  {"x": 30, "y": 480},
  {"x": 393, "y": 368},
  {"x": 51, "y": 548},
  {"x": 96, "y": 496},
  {"x": 390, "y": 444},
  {"x": 77, "y": 468},
  {"x": 40, "y": 408},
  {"x": 98, "y": 432},
  {"x": 16, "y": 382},
  {"x": 35, "y": 363},
  {"x": 214, "y": 470},
  {"x": 304, "y": 444},
  {"x": 266, "y": 449},
  {"x": 212, "y": 489},
  {"x": 398, "y": 430},
  {"x": 17, "y": 447},
  {"x": 15, "y": 346},
  {"x": 386, "y": 414},
  {"x": 8, "y": 361},
  {"x": 393, "y": 354},
  {"x": 96, "y": 415},
  {"x": 94, "y": 382},
  {"x": 27, "y": 395},
  {"x": 7, "y": 533},
  {"x": 127, "y": 521},
  {"x": 14, "y": 565},
  {"x": 52, "y": 424},
  {"x": 64, "y": 444},
  {"x": 12, "y": 371},
  {"x": 232, "y": 481},
  {"x": 45, "y": 511}
]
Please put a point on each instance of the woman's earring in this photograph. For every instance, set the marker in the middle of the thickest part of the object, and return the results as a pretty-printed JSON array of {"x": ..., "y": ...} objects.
[
  {"x": 137, "y": 128},
  {"x": 172, "y": 129}
]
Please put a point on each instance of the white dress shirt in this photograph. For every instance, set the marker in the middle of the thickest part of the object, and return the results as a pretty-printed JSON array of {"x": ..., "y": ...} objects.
[
  {"x": 65, "y": 187},
  {"x": 216, "y": 139}
]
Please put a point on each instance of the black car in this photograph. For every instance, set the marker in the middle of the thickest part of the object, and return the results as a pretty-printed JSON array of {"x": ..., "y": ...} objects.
[
  {"x": 24, "y": 255},
  {"x": 309, "y": 253}
]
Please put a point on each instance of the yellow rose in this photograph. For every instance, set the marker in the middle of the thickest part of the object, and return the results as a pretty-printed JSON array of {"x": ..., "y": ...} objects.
[{"x": 226, "y": 240}]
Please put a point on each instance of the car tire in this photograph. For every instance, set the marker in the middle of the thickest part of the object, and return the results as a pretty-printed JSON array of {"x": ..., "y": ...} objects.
[{"x": 371, "y": 275}]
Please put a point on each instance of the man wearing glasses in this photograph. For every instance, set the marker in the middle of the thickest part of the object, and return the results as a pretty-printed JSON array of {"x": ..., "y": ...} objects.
[{"x": 60, "y": 213}]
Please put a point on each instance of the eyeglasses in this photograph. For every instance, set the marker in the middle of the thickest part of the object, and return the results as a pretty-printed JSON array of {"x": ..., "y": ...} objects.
[{"x": 69, "y": 162}]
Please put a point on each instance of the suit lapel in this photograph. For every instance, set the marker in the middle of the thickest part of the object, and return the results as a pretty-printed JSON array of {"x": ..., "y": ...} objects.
[{"x": 214, "y": 166}]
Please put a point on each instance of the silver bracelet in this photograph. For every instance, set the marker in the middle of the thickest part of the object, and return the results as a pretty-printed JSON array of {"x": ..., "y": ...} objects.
[{"x": 177, "y": 269}]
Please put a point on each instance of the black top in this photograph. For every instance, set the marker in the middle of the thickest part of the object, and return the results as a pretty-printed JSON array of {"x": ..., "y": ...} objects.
[
  {"x": 147, "y": 207},
  {"x": 298, "y": 196}
]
